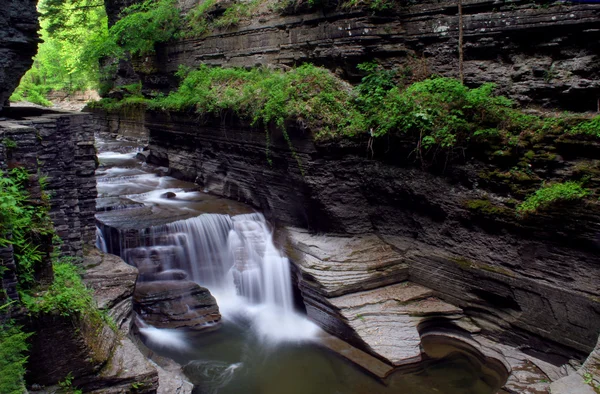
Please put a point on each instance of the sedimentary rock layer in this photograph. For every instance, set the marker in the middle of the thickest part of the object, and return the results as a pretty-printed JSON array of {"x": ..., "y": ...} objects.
[
  {"x": 536, "y": 53},
  {"x": 526, "y": 280},
  {"x": 18, "y": 43},
  {"x": 176, "y": 304}
]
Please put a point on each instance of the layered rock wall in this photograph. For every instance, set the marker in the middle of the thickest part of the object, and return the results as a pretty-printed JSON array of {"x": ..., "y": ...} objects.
[
  {"x": 537, "y": 53},
  {"x": 60, "y": 147},
  {"x": 530, "y": 281},
  {"x": 18, "y": 43}
]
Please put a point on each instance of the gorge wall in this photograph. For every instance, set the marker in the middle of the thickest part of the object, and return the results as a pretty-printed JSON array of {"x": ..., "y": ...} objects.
[
  {"x": 530, "y": 280},
  {"x": 522, "y": 279},
  {"x": 537, "y": 52},
  {"x": 18, "y": 43}
]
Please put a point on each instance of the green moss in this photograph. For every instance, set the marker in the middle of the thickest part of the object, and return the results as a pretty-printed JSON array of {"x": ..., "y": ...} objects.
[
  {"x": 486, "y": 207},
  {"x": 462, "y": 262},
  {"x": 548, "y": 195}
]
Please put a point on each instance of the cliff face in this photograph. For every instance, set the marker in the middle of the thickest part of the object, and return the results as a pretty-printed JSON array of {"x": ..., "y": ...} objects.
[
  {"x": 526, "y": 280},
  {"x": 536, "y": 53},
  {"x": 18, "y": 43}
]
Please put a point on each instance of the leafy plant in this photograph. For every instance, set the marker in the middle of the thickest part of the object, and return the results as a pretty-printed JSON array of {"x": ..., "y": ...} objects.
[
  {"x": 66, "y": 385},
  {"x": 13, "y": 357},
  {"x": 22, "y": 224},
  {"x": 143, "y": 25},
  {"x": 591, "y": 127},
  {"x": 550, "y": 194}
]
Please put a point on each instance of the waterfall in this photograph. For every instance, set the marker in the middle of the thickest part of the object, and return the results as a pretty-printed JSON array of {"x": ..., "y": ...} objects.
[
  {"x": 100, "y": 241},
  {"x": 236, "y": 259}
]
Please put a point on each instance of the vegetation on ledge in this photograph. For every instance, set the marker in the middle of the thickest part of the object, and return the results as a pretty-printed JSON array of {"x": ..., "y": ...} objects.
[
  {"x": 25, "y": 226},
  {"x": 551, "y": 194},
  {"x": 439, "y": 114}
]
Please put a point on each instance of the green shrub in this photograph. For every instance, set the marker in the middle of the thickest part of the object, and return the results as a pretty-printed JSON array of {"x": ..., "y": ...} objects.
[
  {"x": 440, "y": 112},
  {"x": 550, "y": 194},
  {"x": 307, "y": 94},
  {"x": 143, "y": 25},
  {"x": 13, "y": 357},
  {"x": 67, "y": 295},
  {"x": 22, "y": 224},
  {"x": 591, "y": 127}
]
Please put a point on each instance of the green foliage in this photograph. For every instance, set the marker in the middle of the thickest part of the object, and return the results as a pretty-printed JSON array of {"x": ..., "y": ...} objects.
[
  {"x": 441, "y": 115},
  {"x": 547, "y": 195},
  {"x": 143, "y": 25},
  {"x": 22, "y": 223},
  {"x": 439, "y": 112},
  {"x": 375, "y": 5},
  {"x": 66, "y": 296},
  {"x": 9, "y": 143},
  {"x": 591, "y": 127},
  {"x": 65, "y": 60},
  {"x": 307, "y": 94},
  {"x": 13, "y": 349},
  {"x": 198, "y": 21},
  {"x": 66, "y": 385}
]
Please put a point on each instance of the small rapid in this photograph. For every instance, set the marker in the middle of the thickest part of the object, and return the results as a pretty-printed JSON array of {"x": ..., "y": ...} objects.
[
  {"x": 177, "y": 234},
  {"x": 230, "y": 253}
]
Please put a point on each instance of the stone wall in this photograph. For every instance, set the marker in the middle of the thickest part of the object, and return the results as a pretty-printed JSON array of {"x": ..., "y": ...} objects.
[
  {"x": 537, "y": 53},
  {"x": 18, "y": 43},
  {"x": 60, "y": 146}
]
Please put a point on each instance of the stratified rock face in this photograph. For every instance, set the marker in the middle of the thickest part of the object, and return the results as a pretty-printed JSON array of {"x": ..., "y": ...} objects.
[
  {"x": 356, "y": 288},
  {"x": 532, "y": 280},
  {"x": 542, "y": 54},
  {"x": 60, "y": 146},
  {"x": 99, "y": 359},
  {"x": 18, "y": 43},
  {"x": 176, "y": 304}
]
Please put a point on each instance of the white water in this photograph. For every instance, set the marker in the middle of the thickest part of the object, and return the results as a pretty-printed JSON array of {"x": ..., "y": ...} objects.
[
  {"x": 233, "y": 256},
  {"x": 236, "y": 259}
]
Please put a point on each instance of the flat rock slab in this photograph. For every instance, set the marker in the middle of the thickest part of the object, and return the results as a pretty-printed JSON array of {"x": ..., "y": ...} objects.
[
  {"x": 572, "y": 384},
  {"x": 386, "y": 319},
  {"x": 337, "y": 265}
]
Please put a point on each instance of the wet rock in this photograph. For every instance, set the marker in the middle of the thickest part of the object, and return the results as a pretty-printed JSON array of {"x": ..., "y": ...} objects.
[
  {"x": 171, "y": 275},
  {"x": 176, "y": 304},
  {"x": 101, "y": 360},
  {"x": 168, "y": 195},
  {"x": 112, "y": 281}
]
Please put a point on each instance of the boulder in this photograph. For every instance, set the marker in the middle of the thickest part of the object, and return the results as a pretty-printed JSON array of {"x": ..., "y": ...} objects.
[{"x": 176, "y": 304}]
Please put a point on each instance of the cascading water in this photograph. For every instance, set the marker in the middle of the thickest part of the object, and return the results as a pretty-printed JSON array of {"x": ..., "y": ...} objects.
[
  {"x": 171, "y": 231},
  {"x": 236, "y": 259}
]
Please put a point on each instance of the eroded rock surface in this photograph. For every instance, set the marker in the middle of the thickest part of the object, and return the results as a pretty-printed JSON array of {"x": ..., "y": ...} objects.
[
  {"x": 18, "y": 43},
  {"x": 356, "y": 288},
  {"x": 176, "y": 304},
  {"x": 345, "y": 264}
]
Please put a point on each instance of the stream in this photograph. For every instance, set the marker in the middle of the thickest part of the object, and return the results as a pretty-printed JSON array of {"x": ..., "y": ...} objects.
[{"x": 265, "y": 344}]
